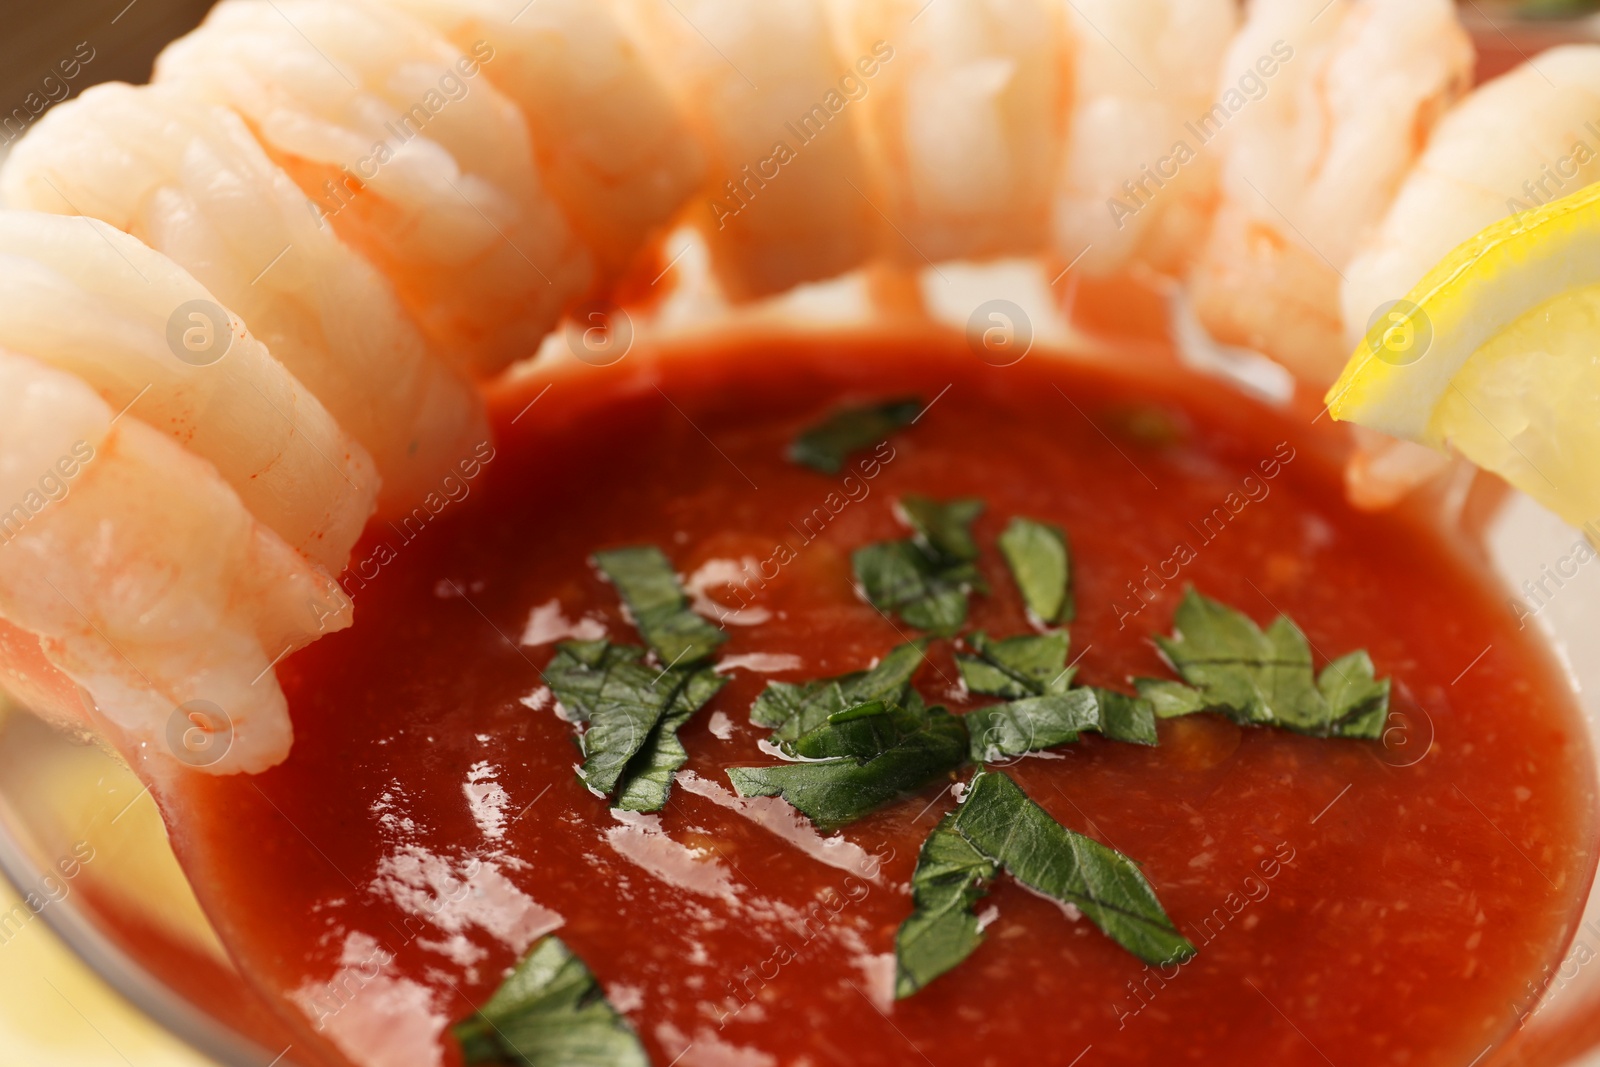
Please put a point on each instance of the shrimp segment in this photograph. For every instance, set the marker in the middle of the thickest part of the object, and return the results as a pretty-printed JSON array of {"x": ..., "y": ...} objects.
[
  {"x": 1520, "y": 140},
  {"x": 1312, "y": 159},
  {"x": 409, "y": 153},
  {"x": 187, "y": 178},
  {"x": 141, "y": 572},
  {"x": 785, "y": 200},
  {"x": 610, "y": 144},
  {"x": 89, "y": 299},
  {"x": 964, "y": 118},
  {"x": 1137, "y": 182}
]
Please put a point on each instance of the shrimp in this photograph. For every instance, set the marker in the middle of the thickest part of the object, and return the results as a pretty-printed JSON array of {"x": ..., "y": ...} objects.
[
  {"x": 1312, "y": 155},
  {"x": 964, "y": 107},
  {"x": 187, "y": 178},
  {"x": 1526, "y": 138},
  {"x": 785, "y": 199},
  {"x": 410, "y": 155},
  {"x": 1136, "y": 183},
  {"x": 610, "y": 144},
  {"x": 144, "y": 577},
  {"x": 89, "y": 299}
]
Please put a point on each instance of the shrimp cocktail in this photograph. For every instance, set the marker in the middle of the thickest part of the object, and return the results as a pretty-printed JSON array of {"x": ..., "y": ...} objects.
[{"x": 825, "y": 532}]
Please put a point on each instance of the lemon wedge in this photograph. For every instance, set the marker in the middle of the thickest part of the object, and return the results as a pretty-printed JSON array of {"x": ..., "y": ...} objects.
[{"x": 1496, "y": 354}]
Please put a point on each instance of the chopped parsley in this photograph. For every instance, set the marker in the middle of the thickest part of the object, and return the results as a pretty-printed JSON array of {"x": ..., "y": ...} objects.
[
  {"x": 926, "y": 579},
  {"x": 1042, "y": 710},
  {"x": 996, "y": 827},
  {"x": 1035, "y": 723},
  {"x": 549, "y": 1012},
  {"x": 1041, "y": 564},
  {"x": 951, "y": 877},
  {"x": 793, "y": 710},
  {"x": 840, "y": 790},
  {"x": 826, "y": 446},
  {"x": 633, "y": 712},
  {"x": 649, "y": 586},
  {"x": 1264, "y": 678},
  {"x": 1016, "y": 667}
]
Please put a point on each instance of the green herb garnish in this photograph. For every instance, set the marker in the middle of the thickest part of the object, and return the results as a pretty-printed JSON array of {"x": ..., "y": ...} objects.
[
  {"x": 1036, "y": 723},
  {"x": 647, "y": 780},
  {"x": 794, "y": 709},
  {"x": 1001, "y": 822},
  {"x": 647, "y": 583},
  {"x": 827, "y": 446},
  {"x": 1042, "y": 710},
  {"x": 943, "y": 531},
  {"x": 549, "y": 1012},
  {"x": 997, "y": 826},
  {"x": 1041, "y": 563},
  {"x": 833, "y": 792},
  {"x": 1264, "y": 678},
  {"x": 925, "y": 580},
  {"x": 1016, "y": 667},
  {"x": 633, "y": 712},
  {"x": 951, "y": 877}
]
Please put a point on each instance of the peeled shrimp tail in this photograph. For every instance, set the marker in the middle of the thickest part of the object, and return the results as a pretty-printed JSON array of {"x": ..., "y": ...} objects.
[
  {"x": 89, "y": 299},
  {"x": 610, "y": 144},
  {"x": 1138, "y": 184},
  {"x": 188, "y": 179},
  {"x": 144, "y": 576},
  {"x": 786, "y": 194},
  {"x": 964, "y": 103},
  {"x": 410, "y": 155},
  {"x": 1312, "y": 155}
]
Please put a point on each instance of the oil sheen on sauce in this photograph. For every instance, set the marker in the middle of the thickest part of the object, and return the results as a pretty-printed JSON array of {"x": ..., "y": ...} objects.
[{"x": 1354, "y": 903}]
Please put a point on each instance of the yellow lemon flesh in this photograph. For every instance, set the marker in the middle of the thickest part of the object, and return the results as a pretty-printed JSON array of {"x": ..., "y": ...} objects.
[{"x": 1496, "y": 353}]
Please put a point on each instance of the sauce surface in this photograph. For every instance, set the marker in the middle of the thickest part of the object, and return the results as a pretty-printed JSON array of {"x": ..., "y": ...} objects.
[{"x": 1353, "y": 902}]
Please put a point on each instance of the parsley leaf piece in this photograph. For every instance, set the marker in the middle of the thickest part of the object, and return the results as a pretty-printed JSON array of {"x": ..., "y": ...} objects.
[
  {"x": 647, "y": 781},
  {"x": 898, "y": 577},
  {"x": 1016, "y": 667},
  {"x": 1125, "y": 718},
  {"x": 1001, "y": 822},
  {"x": 1357, "y": 700},
  {"x": 1264, "y": 677},
  {"x": 549, "y": 1012},
  {"x": 1035, "y": 723},
  {"x": 1030, "y": 724},
  {"x": 943, "y": 531},
  {"x": 826, "y": 446},
  {"x": 863, "y": 731},
  {"x": 951, "y": 877},
  {"x": 623, "y": 700},
  {"x": 796, "y": 709},
  {"x": 647, "y": 583},
  {"x": 1171, "y": 700},
  {"x": 833, "y": 792},
  {"x": 1041, "y": 563}
]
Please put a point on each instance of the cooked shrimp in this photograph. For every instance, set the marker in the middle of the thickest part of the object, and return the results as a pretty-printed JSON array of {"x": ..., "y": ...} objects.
[
  {"x": 146, "y": 580},
  {"x": 85, "y": 297},
  {"x": 187, "y": 178},
  {"x": 1312, "y": 155},
  {"x": 1521, "y": 140},
  {"x": 1137, "y": 184},
  {"x": 964, "y": 113},
  {"x": 408, "y": 153},
  {"x": 610, "y": 144},
  {"x": 785, "y": 199}
]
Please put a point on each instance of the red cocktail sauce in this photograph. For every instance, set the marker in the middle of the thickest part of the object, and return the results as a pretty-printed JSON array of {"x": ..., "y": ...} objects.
[{"x": 1354, "y": 903}]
